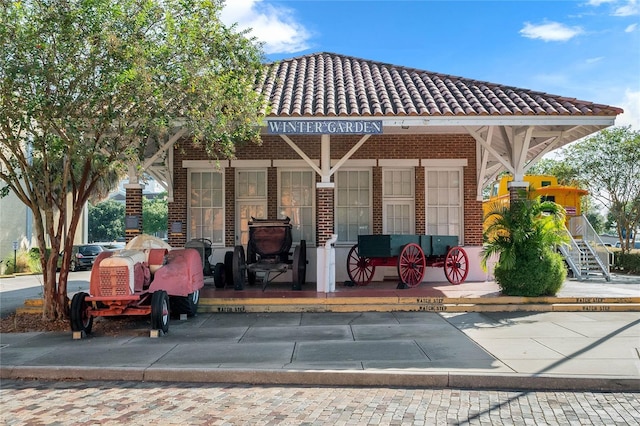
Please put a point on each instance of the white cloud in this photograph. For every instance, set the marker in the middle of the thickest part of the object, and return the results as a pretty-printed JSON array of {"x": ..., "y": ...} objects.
[
  {"x": 631, "y": 28},
  {"x": 594, "y": 60},
  {"x": 631, "y": 106},
  {"x": 629, "y": 9},
  {"x": 599, "y": 2},
  {"x": 550, "y": 31},
  {"x": 275, "y": 26}
]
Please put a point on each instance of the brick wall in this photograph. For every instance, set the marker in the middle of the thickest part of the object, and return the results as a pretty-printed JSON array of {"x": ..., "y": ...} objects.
[
  {"x": 376, "y": 201},
  {"x": 133, "y": 207},
  {"x": 450, "y": 146},
  {"x": 420, "y": 205},
  {"x": 324, "y": 214}
]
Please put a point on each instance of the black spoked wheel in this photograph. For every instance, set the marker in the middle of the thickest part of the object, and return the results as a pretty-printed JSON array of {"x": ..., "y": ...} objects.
[
  {"x": 228, "y": 267},
  {"x": 239, "y": 267},
  {"x": 160, "y": 311},
  {"x": 359, "y": 268},
  {"x": 81, "y": 319},
  {"x": 299, "y": 265},
  {"x": 251, "y": 259},
  {"x": 219, "y": 278},
  {"x": 73, "y": 265}
]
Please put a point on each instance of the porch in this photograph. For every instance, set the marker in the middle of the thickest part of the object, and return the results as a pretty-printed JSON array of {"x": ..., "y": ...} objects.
[{"x": 622, "y": 293}]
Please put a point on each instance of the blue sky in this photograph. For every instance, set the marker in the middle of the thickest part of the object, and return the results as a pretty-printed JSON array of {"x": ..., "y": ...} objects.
[{"x": 588, "y": 50}]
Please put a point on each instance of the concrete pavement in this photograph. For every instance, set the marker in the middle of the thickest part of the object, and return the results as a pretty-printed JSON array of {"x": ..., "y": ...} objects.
[{"x": 492, "y": 350}]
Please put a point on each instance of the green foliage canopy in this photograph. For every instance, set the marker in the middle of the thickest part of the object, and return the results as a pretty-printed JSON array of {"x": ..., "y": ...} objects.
[
  {"x": 608, "y": 165},
  {"x": 106, "y": 221},
  {"x": 155, "y": 214},
  {"x": 87, "y": 85}
]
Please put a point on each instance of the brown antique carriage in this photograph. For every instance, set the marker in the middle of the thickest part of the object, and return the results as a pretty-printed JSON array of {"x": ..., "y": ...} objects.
[{"x": 268, "y": 254}]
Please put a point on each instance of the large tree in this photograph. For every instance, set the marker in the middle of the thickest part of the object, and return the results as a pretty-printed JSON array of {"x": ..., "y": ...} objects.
[
  {"x": 608, "y": 165},
  {"x": 561, "y": 169},
  {"x": 155, "y": 214},
  {"x": 106, "y": 221},
  {"x": 86, "y": 84},
  {"x": 567, "y": 175}
]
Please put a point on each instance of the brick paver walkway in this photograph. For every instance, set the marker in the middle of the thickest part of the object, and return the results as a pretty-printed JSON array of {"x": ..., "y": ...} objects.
[{"x": 145, "y": 403}]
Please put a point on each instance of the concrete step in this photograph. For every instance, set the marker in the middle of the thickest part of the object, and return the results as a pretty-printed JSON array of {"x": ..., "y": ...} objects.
[
  {"x": 428, "y": 304},
  {"x": 405, "y": 304}
]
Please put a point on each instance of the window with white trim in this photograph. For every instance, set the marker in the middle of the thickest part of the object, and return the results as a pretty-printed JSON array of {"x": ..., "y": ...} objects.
[
  {"x": 444, "y": 201},
  {"x": 251, "y": 200},
  {"x": 353, "y": 204},
  {"x": 296, "y": 201},
  {"x": 206, "y": 205},
  {"x": 398, "y": 201}
]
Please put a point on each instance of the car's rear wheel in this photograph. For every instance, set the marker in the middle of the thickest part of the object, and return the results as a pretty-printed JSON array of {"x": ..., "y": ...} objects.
[{"x": 160, "y": 311}]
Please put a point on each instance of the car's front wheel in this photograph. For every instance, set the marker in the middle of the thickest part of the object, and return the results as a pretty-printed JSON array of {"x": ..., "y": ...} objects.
[{"x": 81, "y": 319}]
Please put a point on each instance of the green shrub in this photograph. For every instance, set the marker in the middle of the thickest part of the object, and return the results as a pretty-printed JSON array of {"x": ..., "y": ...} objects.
[
  {"x": 535, "y": 276},
  {"x": 524, "y": 237},
  {"x": 627, "y": 262},
  {"x": 25, "y": 262}
]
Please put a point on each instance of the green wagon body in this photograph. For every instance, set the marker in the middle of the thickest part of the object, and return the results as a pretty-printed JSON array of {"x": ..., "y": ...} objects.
[
  {"x": 391, "y": 245},
  {"x": 410, "y": 253}
]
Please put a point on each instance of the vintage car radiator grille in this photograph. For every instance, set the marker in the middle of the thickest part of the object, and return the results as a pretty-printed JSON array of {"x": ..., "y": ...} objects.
[{"x": 114, "y": 281}]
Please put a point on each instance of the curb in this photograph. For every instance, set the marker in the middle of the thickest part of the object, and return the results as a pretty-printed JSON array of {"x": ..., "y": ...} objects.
[{"x": 373, "y": 378}]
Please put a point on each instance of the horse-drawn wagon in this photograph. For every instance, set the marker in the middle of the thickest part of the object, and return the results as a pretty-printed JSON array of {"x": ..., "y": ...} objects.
[{"x": 411, "y": 254}]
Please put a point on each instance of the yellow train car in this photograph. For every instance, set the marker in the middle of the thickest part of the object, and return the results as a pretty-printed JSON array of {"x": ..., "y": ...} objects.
[{"x": 544, "y": 186}]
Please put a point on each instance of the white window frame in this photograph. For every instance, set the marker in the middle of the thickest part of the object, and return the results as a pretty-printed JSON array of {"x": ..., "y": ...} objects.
[
  {"x": 261, "y": 200},
  {"x": 311, "y": 241},
  {"x": 460, "y": 171},
  {"x": 190, "y": 208},
  {"x": 336, "y": 199},
  {"x": 396, "y": 200}
]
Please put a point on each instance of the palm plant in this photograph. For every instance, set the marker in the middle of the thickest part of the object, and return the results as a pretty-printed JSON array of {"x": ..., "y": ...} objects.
[{"x": 524, "y": 236}]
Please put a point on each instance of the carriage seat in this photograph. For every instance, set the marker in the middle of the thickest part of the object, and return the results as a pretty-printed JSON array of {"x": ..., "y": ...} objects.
[{"x": 270, "y": 238}]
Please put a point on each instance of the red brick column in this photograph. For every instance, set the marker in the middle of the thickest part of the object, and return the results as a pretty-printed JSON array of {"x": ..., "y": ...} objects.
[
  {"x": 177, "y": 218},
  {"x": 420, "y": 207},
  {"x": 133, "y": 208},
  {"x": 325, "y": 209},
  {"x": 377, "y": 200},
  {"x": 272, "y": 193},
  {"x": 517, "y": 191},
  {"x": 230, "y": 207}
]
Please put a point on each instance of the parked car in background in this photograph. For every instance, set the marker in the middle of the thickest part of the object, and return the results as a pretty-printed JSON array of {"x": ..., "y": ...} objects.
[
  {"x": 83, "y": 256},
  {"x": 112, "y": 246},
  {"x": 636, "y": 245}
]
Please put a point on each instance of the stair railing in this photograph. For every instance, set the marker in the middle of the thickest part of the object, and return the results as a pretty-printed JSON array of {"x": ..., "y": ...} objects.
[
  {"x": 573, "y": 255},
  {"x": 580, "y": 228}
]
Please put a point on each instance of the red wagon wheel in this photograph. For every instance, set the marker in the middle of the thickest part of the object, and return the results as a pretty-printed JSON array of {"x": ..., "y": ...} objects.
[
  {"x": 359, "y": 268},
  {"x": 411, "y": 265},
  {"x": 456, "y": 265}
]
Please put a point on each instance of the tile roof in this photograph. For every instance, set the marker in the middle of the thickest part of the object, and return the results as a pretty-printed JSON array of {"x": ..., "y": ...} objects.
[{"x": 332, "y": 85}]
